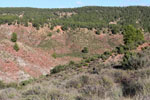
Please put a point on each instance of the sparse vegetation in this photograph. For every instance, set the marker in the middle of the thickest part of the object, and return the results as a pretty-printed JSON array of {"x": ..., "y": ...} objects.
[
  {"x": 64, "y": 28},
  {"x": 85, "y": 50},
  {"x": 105, "y": 55},
  {"x": 135, "y": 61},
  {"x": 14, "y": 37},
  {"x": 58, "y": 31},
  {"x": 52, "y": 27},
  {"x": 36, "y": 25},
  {"x": 49, "y": 34},
  {"x": 98, "y": 32},
  {"x": 58, "y": 69},
  {"x": 124, "y": 75},
  {"x": 54, "y": 55},
  {"x": 16, "y": 47},
  {"x": 120, "y": 49},
  {"x": 131, "y": 87}
]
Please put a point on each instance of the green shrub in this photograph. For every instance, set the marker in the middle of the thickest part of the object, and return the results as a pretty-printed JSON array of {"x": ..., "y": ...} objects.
[
  {"x": 88, "y": 60},
  {"x": 93, "y": 58},
  {"x": 132, "y": 37},
  {"x": 2, "y": 85},
  {"x": 115, "y": 29},
  {"x": 57, "y": 69},
  {"x": 8, "y": 85},
  {"x": 85, "y": 64},
  {"x": 52, "y": 27},
  {"x": 85, "y": 50},
  {"x": 13, "y": 85},
  {"x": 14, "y": 37},
  {"x": 148, "y": 29},
  {"x": 16, "y": 47},
  {"x": 105, "y": 55},
  {"x": 79, "y": 65},
  {"x": 9, "y": 23},
  {"x": 104, "y": 31},
  {"x": 18, "y": 22},
  {"x": 26, "y": 24},
  {"x": 58, "y": 31},
  {"x": 131, "y": 87},
  {"x": 145, "y": 48},
  {"x": 54, "y": 55},
  {"x": 120, "y": 49},
  {"x": 49, "y": 34},
  {"x": 71, "y": 63},
  {"x": 37, "y": 25},
  {"x": 98, "y": 32},
  {"x": 24, "y": 83},
  {"x": 135, "y": 61},
  {"x": 64, "y": 28}
]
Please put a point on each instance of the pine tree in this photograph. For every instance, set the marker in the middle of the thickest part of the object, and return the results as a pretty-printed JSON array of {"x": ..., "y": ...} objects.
[
  {"x": 14, "y": 37},
  {"x": 16, "y": 47}
]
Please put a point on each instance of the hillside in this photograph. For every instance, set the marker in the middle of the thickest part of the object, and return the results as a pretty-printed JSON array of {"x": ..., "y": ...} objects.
[
  {"x": 87, "y": 53},
  {"x": 92, "y": 78},
  {"x": 84, "y": 17},
  {"x": 39, "y": 52}
]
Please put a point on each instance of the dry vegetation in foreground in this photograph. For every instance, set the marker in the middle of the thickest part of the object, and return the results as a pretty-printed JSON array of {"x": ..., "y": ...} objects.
[{"x": 91, "y": 79}]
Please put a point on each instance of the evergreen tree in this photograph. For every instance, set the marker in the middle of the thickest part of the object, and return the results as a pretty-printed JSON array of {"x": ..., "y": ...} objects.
[
  {"x": 16, "y": 47},
  {"x": 14, "y": 37},
  {"x": 132, "y": 36}
]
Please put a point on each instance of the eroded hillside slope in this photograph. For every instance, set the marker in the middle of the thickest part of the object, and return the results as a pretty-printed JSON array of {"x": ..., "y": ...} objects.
[
  {"x": 39, "y": 52},
  {"x": 91, "y": 79}
]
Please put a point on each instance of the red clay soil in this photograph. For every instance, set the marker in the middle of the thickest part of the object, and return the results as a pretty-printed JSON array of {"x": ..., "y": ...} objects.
[
  {"x": 114, "y": 58},
  {"x": 58, "y": 28},
  {"x": 118, "y": 57},
  {"x": 116, "y": 39},
  {"x": 31, "y": 61},
  {"x": 139, "y": 48}
]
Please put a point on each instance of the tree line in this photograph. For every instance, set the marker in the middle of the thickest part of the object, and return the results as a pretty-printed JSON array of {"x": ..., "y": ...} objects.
[{"x": 84, "y": 17}]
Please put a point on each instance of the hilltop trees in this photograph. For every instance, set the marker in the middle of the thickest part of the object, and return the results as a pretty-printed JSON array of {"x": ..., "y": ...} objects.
[
  {"x": 85, "y": 17},
  {"x": 9, "y": 19},
  {"x": 64, "y": 28},
  {"x": 115, "y": 29},
  {"x": 98, "y": 32},
  {"x": 35, "y": 24},
  {"x": 98, "y": 17}
]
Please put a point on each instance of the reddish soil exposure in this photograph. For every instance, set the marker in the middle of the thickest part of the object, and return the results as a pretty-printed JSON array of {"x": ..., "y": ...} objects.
[
  {"x": 33, "y": 60},
  {"x": 139, "y": 48},
  {"x": 30, "y": 61}
]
